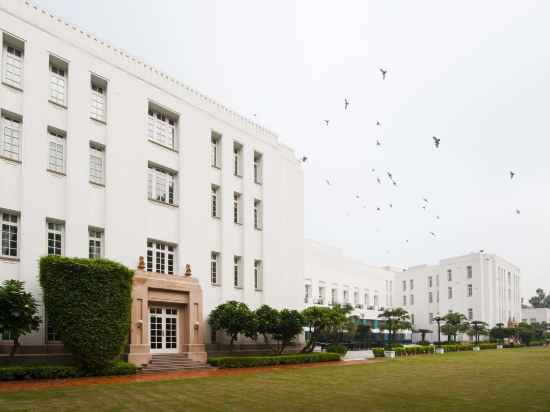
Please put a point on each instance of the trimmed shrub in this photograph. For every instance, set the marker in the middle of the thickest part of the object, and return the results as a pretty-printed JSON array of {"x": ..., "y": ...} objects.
[
  {"x": 89, "y": 303},
  {"x": 8, "y": 373},
  {"x": 378, "y": 352},
  {"x": 483, "y": 346},
  {"x": 337, "y": 348},
  {"x": 252, "y": 361},
  {"x": 536, "y": 343}
]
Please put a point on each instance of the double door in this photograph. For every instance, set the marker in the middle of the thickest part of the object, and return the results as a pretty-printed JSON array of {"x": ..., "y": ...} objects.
[{"x": 163, "y": 329}]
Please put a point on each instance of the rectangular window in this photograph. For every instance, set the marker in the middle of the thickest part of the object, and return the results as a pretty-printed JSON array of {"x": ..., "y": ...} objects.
[
  {"x": 215, "y": 201},
  {"x": 56, "y": 238},
  {"x": 437, "y": 296},
  {"x": 237, "y": 159},
  {"x": 97, "y": 164},
  {"x": 215, "y": 160},
  {"x": 98, "y": 103},
  {"x": 469, "y": 271},
  {"x": 161, "y": 127},
  {"x": 161, "y": 257},
  {"x": 404, "y": 300},
  {"x": 430, "y": 297},
  {"x": 237, "y": 278},
  {"x": 346, "y": 297},
  {"x": 321, "y": 295},
  {"x": 437, "y": 280},
  {"x": 470, "y": 314},
  {"x": 56, "y": 150},
  {"x": 161, "y": 185},
  {"x": 411, "y": 284},
  {"x": 404, "y": 285},
  {"x": 449, "y": 275},
  {"x": 366, "y": 300},
  {"x": 411, "y": 300},
  {"x": 430, "y": 281},
  {"x": 95, "y": 243},
  {"x": 334, "y": 296},
  {"x": 10, "y": 235},
  {"x": 214, "y": 264},
  {"x": 258, "y": 275},
  {"x": 258, "y": 215},
  {"x": 52, "y": 335},
  {"x": 356, "y": 298},
  {"x": 431, "y": 318},
  {"x": 237, "y": 208},
  {"x": 13, "y": 54},
  {"x": 450, "y": 292},
  {"x": 470, "y": 290},
  {"x": 58, "y": 81},
  {"x": 10, "y": 143},
  {"x": 258, "y": 163},
  {"x": 307, "y": 295}
]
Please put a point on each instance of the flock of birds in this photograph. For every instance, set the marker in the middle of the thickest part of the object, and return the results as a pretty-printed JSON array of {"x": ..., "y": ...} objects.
[{"x": 435, "y": 140}]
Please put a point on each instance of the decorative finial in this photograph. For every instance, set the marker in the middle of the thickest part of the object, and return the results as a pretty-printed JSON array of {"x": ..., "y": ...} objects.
[
  {"x": 141, "y": 264},
  {"x": 188, "y": 271}
]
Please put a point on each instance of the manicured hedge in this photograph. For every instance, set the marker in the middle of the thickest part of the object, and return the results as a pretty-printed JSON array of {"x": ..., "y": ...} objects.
[
  {"x": 89, "y": 303},
  {"x": 337, "y": 348},
  {"x": 251, "y": 361},
  {"x": 60, "y": 372}
]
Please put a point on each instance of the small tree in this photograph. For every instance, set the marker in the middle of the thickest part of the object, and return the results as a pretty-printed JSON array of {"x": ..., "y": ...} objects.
[
  {"x": 498, "y": 333},
  {"x": 323, "y": 321},
  {"x": 395, "y": 320},
  {"x": 455, "y": 323},
  {"x": 233, "y": 318},
  {"x": 477, "y": 328},
  {"x": 266, "y": 318},
  {"x": 289, "y": 324},
  {"x": 423, "y": 333},
  {"x": 540, "y": 300},
  {"x": 18, "y": 312}
]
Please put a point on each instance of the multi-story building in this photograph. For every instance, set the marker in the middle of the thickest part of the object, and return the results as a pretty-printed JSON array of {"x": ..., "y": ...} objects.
[
  {"x": 103, "y": 155},
  {"x": 481, "y": 286},
  {"x": 536, "y": 315}
]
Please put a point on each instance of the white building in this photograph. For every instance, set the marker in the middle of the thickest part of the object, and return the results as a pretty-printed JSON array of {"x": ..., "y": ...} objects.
[
  {"x": 103, "y": 155},
  {"x": 535, "y": 315},
  {"x": 481, "y": 286}
]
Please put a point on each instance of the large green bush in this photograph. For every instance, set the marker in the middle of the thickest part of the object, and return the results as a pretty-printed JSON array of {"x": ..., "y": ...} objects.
[
  {"x": 23, "y": 372},
  {"x": 337, "y": 348},
  {"x": 89, "y": 303},
  {"x": 251, "y": 361}
]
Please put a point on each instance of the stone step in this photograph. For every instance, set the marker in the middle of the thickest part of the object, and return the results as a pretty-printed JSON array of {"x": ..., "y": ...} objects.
[{"x": 148, "y": 370}]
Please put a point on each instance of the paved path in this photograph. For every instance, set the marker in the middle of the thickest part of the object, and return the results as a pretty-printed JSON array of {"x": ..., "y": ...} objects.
[{"x": 64, "y": 383}]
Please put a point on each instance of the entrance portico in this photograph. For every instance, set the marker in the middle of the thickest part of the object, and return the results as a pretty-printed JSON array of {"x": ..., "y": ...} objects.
[{"x": 166, "y": 316}]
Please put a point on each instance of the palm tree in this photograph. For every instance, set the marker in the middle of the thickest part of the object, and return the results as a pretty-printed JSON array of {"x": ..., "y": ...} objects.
[
  {"x": 478, "y": 328},
  {"x": 454, "y": 323},
  {"x": 439, "y": 319},
  {"x": 395, "y": 320},
  {"x": 423, "y": 333}
]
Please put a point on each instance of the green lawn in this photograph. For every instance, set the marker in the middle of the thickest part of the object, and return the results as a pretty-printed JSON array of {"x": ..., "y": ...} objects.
[{"x": 505, "y": 380}]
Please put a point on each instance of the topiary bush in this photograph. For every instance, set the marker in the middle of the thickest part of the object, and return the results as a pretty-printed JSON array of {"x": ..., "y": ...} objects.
[
  {"x": 89, "y": 303},
  {"x": 378, "y": 352}
]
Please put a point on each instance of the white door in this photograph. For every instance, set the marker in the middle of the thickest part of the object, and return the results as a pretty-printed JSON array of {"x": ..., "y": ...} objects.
[{"x": 163, "y": 329}]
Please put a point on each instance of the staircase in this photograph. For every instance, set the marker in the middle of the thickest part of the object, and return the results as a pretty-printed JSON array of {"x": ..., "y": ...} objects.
[{"x": 173, "y": 362}]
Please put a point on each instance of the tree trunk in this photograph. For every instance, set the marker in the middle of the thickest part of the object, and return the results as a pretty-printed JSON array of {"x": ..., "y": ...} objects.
[{"x": 15, "y": 346}]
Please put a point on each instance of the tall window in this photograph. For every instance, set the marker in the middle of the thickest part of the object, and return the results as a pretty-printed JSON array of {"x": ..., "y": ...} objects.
[
  {"x": 56, "y": 238},
  {"x": 430, "y": 297},
  {"x": 411, "y": 300},
  {"x": 10, "y": 234},
  {"x": 356, "y": 298},
  {"x": 321, "y": 295},
  {"x": 58, "y": 81},
  {"x": 334, "y": 296},
  {"x": 366, "y": 300},
  {"x": 98, "y": 104},
  {"x": 258, "y": 275},
  {"x": 450, "y": 292},
  {"x": 215, "y": 201},
  {"x": 470, "y": 290},
  {"x": 52, "y": 336},
  {"x": 13, "y": 63},
  {"x": 404, "y": 285},
  {"x": 214, "y": 264},
  {"x": 431, "y": 317},
  {"x": 469, "y": 271},
  {"x": 430, "y": 281},
  {"x": 10, "y": 143},
  {"x": 411, "y": 284},
  {"x": 56, "y": 158},
  {"x": 95, "y": 244},
  {"x": 216, "y": 139},
  {"x": 404, "y": 300},
  {"x": 237, "y": 159},
  {"x": 161, "y": 128},
  {"x": 258, "y": 163},
  {"x": 161, "y": 185},
  {"x": 376, "y": 301},
  {"x": 97, "y": 164},
  {"x": 437, "y": 296},
  {"x": 346, "y": 297},
  {"x": 307, "y": 296},
  {"x": 161, "y": 257},
  {"x": 237, "y": 277},
  {"x": 449, "y": 275},
  {"x": 470, "y": 314},
  {"x": 237, "y": 208},
  {"x": 437, "y": 280},
  {"x": 258, "y": 214}
]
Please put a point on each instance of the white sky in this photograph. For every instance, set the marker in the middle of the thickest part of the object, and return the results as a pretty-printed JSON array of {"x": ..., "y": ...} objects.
[{"x": 474, "y": 73}]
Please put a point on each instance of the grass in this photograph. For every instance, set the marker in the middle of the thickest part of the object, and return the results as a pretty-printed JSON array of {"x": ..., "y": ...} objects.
[{"x": 511, "y": 379}]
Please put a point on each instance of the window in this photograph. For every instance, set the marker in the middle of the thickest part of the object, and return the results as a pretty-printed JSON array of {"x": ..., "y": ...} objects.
[
  {"x": 216, "y": 139},
  {"x": 367, "y": 300},
  {"x": 430, "y": 297},
  {"x": 161, "y": 257},
  {"x": 430, "y": 281},
  {"x": 450, "y": 275},
  {"x": 13, "y": 62},
  {"x": 411, "y": 284},
  {"x": 437, "y": 296},
  {"x": 450, "y": 292},
  {"x": 237, "y": 208},
  {"x": 346, "y": 296},
  {"x": 404, "y": 285},
  {"x": 161, "y": 185},
  {"x": 470, "y": 314},
  {"x": 431, "y": 317},
  {"x": 214, "y": 260},
  {"x": 215, "y": 201},
  {"x": 412, "y": 319},
  {"x": 258, "y": 275},
  {"x": 10, "y": 231},
  {"x": 98, "y": 104},
  {"x": 95, "y": 242},
  {"x": 469, "y": 271},
  {"x": 56, "y": 154},
  {"x": 258, "y": 214},
  {"x": 356, "y": 298},
  {"x": 161, "y": 127},
  {"x": 97, "y": 164},
  {"x": 334, "y": 296},
  {"x": 258, "y": 177},
  {"x": 58, "y": 81},
  {"x": 10, "y": 145},
  {"x": 411, "y": 300},
  {"x": 321, "y": 295},
  {"x": 237, "y": 155},
  {"x": 404, "y": 300},
  {"x": 52, "y": 336},
  {"x": 376, "y": 301},
  {"x": 56, "y": 238},
  {"x": 470, "y": 290},
  {"x": 437, "y": 280},
  {"x": 237, "y": 278}
]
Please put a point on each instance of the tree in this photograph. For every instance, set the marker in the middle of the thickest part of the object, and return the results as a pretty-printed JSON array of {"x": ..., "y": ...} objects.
[
  {"x": 498, "y": 333},
  {"x": 423, "y": 333},
  {"x": 233, "y": 318},
  {"x": 438, "y": 320},
  {"x": 395, "y": 320},
  {"x": 477, "y": 328},
  {"x": 289, "y": 324},
  {"x": 540, "y": 300},
  {"x": 525, "y": 333},
  {"x": 18, "y": 312},
  {"x": 266, "y": 318},
  {"x": 455, "y": 323},
  {"x": 322, "y": 321}
]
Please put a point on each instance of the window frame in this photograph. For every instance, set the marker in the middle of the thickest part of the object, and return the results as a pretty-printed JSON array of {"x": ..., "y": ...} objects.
[
  {"x": 237, "y": 208},
  {"x": 14, "y": 124},
  {"x": 58, "y": 82},
  {"x": 258, "y": 276},
  {"x": 449, "y": 292},
  {"x": 215, "y": 201},
  {"x": 237, "y": 159},
  {"x": 98, "y": 99},
  {"x": 95, "y": 237},
  {"x": 157, "y": 249},
  {"x": 258, "y": 214},
  {"x": 55, "y": 228},
  {"x": 9, "y": 228},
  {"x": 214, "y": 268},
  {"x": 258, "y": 168},
  {"x": 237, "y": 272},
  {"x": 215, "y": 150},
  {"x": 57, "y": 138},
  {"x": 155, "y": 174},
  {"x": 162, "y": 123},
  {"x": 10, "y": 60},
  {"x": 96, "y": 151}
]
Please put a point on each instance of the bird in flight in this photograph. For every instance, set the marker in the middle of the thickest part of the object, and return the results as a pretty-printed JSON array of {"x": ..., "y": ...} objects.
[
  {"x": 373, "y": 170},
  {"x": 518, "y": 212},
  {"x": 378, "y": 209},
  {"x": 437, "y": 217},
  {"x": 390, "y": 205},
  {"x": 384, "y": 72},
  {"x": 378, "y": 143},
  {"x": 436, "y": 141},
  {"x": 395, "y": 183},
  {"x": 512, "y": 174},
  {"x": 424, "y": 207},
  {"x": 327, "y": 181},
  {"x": 378, "y": 180},
  {"x": 304, "y": 159},
  {"x": 357, "y": 196},
  {"x": 378, "y": 123},
  {"x": 432, "y": 233},
  {"x": 326, "y": 122},
  {"x": 425, "y": 200},
  {"x": 390, "y": 176},
  {"x": 346, "y": 104}
]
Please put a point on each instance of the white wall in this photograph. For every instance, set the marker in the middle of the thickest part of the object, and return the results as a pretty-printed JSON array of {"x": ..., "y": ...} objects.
[{"x": 535, "y": 315}]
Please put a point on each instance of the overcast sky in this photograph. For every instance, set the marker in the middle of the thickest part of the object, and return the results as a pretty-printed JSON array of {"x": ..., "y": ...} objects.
[{"x": 473, "y": 73}]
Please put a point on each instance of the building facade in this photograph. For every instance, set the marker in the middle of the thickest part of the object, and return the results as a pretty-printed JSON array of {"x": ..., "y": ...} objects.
[
  {"x": 536, "y": 315},
  {"x": 102, "y": 155}
]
